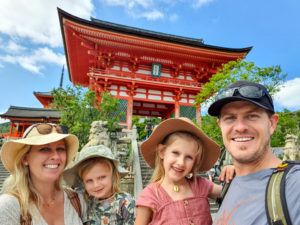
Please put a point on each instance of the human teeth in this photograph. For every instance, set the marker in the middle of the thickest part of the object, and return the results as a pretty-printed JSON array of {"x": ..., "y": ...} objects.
[
  {"x": 242, "y": 139},
  {"x": 51, "y": 166}
]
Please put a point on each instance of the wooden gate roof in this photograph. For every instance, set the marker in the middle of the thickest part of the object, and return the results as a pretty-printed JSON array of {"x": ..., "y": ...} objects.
[{"x": 85, "y": 41}]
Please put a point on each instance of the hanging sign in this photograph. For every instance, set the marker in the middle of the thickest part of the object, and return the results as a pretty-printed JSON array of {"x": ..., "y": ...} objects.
[{"x": 156, "y": 69}]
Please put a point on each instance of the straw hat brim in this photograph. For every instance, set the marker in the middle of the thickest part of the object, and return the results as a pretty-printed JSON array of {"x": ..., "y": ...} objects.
[
  {"x": 211, "y": 151},
  {"x": 71, "y": 176},
  {"x": 10, "y": 149}
]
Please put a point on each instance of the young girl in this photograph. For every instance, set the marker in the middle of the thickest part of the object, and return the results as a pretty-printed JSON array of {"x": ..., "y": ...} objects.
[
  {"x": 96, "y": 168},
  {"x": 178, "y": 150}
]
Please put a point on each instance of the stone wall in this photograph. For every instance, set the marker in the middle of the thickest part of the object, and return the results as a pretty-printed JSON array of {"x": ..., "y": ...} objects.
[
  {"x": 120, "y": 144},
  {"x": 291, "y": 148}
]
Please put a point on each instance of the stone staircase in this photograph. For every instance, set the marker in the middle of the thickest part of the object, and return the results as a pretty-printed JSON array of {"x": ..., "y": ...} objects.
[
  {"x": 147, "y": 171},
  {"x": 3, "y": 174}
]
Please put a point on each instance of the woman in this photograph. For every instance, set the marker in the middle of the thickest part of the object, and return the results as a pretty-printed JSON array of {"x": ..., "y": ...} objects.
[{"x": 33, "y": 194}]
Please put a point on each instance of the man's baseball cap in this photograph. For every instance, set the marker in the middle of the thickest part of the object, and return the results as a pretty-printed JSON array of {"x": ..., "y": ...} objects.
[{"x": 242, "y": 90}]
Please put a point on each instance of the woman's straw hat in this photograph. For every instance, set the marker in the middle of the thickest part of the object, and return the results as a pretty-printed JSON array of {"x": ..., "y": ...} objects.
[
  {"x": 98, "y": 151},
  {"x": 32, "y": 136},
  {"x": 211, "y": 151}
]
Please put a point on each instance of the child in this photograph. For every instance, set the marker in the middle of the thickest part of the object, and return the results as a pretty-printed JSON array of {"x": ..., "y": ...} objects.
[
  {"x": 178, "y": 150},
  {"x": 96, "y": 168}
]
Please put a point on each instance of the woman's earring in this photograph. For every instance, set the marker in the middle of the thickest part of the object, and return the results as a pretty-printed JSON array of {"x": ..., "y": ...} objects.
[{"x": 189, "y": 176}]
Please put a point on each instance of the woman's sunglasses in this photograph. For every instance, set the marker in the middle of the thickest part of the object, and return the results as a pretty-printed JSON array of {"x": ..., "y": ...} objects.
[{"x": 44, "y": 128}]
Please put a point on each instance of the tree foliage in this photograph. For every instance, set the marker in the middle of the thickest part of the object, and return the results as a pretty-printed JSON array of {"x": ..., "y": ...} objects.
[
  {"x": 78, "y": 109},
  {"x": 289, "y": 123},
  {"x": 140, "y": 125},
  {"x": 272, "y": 77},
  {"x": 210, "y": 127}
]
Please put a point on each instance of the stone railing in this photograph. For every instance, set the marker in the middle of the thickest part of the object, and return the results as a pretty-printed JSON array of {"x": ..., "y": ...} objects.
[{"x": 138, "y": 185}]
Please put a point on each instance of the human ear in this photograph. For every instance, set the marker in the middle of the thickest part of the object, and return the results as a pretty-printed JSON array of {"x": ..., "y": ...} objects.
[
  {"x": 161, "y": 151},
  {"x": 274, "y": 120},
  {"x": 24, "y": 161}
]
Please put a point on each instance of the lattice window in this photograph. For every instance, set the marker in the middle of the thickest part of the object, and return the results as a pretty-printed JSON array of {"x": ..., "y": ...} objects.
[
  {"x": 122, "y": 109},
  {"x": 188, "y": 111}
]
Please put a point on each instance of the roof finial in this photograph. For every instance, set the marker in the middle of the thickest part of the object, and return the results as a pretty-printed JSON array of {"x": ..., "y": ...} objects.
[{"x": 62, "y": 77}]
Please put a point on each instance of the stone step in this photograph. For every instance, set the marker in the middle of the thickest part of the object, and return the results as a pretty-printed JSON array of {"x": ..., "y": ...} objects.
[{"x": 3, "y": 174}]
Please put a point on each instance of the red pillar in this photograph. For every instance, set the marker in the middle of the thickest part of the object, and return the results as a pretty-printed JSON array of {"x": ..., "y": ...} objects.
[
  {"x": 129, "y": 112},
  {"x": 177, "y": 109},
  {"x": 198, "y": 115}
]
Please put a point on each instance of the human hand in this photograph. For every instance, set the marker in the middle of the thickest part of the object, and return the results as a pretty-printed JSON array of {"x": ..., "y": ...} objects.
[{"x": 227, "y": 173}]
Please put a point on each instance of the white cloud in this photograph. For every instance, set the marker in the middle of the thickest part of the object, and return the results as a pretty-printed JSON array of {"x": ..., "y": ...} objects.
[
  {"x": 38, "y": 20},
  {"x": 34, "y": 61},
  {"x": 288, "y": 97},
  {"x": 153, "y": 15},
  {"x": 200, "y": 3}
]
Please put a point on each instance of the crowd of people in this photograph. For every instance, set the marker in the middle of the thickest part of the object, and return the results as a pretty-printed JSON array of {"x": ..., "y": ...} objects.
[{"x": 51, "y": 183}]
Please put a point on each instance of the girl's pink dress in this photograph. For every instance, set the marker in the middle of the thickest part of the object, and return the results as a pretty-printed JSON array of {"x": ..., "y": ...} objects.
[{"x": 189, "y": 211}]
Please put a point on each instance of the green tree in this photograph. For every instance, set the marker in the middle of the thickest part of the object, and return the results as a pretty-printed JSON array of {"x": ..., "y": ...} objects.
[
  {"x": 289, "y": 123},
  {"x": 210, "y": 127},
  {"x": 78, "y": 110},
  {"x": 272, "y": 77}
]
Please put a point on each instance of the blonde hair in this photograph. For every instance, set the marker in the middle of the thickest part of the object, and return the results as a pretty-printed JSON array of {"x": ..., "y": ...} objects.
[
  {"x": 88, "y": 164},
  {"x": 19, "y": 184},
  {"x": 159, "y": 171}
]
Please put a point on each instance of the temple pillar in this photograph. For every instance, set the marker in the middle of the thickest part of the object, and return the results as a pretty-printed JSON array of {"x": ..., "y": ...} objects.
[
  {"x": 129, "y": 112},
  {"x": 176, "y": 109},
  {"x": 198, "y": 115}
]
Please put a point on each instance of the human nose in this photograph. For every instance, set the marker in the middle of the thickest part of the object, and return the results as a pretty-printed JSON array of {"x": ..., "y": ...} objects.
[
  {"x": 180, "y": 160},
  {"x": 240, "y": 125},
  {"x": 55, "y": 154}
]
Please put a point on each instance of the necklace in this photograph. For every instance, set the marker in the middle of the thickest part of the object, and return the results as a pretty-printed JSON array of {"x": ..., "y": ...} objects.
[
  {"x": 51, "y": 202},
  {"x": 176, "y": 188}
]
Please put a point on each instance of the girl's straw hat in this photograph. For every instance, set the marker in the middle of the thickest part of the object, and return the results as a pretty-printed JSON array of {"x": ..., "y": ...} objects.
[
  {"x": 211, "y": 151},
  {"x": 37, "y": 134},
  {"x": 71, "y": 173}
]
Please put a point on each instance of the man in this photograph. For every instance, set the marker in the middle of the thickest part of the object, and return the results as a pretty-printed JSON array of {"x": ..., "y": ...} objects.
[{"x": 247, "y": 120}]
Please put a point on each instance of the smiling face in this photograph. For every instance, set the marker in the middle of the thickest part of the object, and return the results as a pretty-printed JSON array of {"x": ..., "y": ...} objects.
[
  {"x": 179, "y": 158},
  {"x": 98, "y": 180},
  {"x": 246, "y": 131},
  {"x": 46, "y": 162}
]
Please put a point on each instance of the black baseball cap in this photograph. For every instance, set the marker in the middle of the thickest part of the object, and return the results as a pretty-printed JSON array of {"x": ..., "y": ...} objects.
[{"x": 254, "y": 93}]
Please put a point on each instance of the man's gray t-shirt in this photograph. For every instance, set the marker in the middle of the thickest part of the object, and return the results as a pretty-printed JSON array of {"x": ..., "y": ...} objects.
[{"x": 244, "y": 203}]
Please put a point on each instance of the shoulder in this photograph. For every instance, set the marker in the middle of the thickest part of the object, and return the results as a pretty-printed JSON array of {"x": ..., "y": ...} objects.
[
  {"x": 149, "y": 197},
  {"x": 202, "y": 185},
  {"x": 150, "y": 190},
  {"x": 293, "y": 175},
  {"x": 8, "y": 202},
  {"x": 9, "y": 209},
  {"x": 125, "y": 198}
]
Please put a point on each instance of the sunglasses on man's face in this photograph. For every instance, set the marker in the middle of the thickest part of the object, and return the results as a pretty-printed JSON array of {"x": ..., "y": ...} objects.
[
  {"x": 44, "y": 128},
  {"x": 245, "y": 91}
]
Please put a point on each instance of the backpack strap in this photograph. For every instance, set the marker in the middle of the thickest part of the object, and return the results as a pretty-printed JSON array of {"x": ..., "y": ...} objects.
[
  {"x": 225, "y": 188},
  {"x": 275, "y": 200},
  {"x": 74, "y": 199}
]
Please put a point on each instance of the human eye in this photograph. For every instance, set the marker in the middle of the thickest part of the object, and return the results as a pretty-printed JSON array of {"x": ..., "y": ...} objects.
[
  {"x": 45, "y": 149},
  {"x": 174, "y": 152},
  {"x": 228, "y": 118},
  {"x": 60, "y": 149},
  {"x": 189, "y": 157},
  {"x": 253, "y": 116},
  {"x": 88, "y": 181}
]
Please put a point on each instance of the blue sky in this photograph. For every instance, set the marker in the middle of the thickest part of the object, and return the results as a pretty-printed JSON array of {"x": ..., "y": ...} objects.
[{"x": 32, "y": 55}]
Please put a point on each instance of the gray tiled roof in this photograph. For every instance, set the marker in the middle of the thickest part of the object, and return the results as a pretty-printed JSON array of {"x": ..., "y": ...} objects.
[{"x": 27, "y": 112}]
